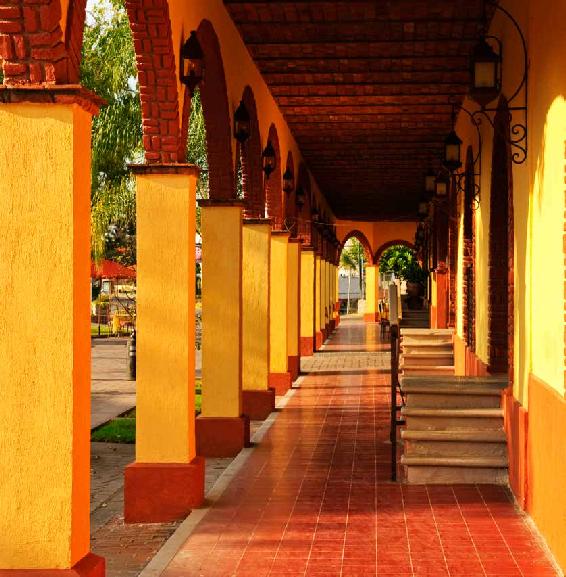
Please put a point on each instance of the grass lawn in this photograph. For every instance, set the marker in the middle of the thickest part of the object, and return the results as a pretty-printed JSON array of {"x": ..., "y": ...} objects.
[
  {"x": 123, "y": 429},
  {"x": 104, "y": 330}
]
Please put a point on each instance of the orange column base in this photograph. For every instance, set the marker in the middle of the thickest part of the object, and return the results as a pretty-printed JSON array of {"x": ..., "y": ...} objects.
[
  {"x": 318, "y": 340},
  {"x": 306, "y": 346},
  {"x": 222, "y": 436},
  {"x": 162, "y": 492},
  {"x": 371, "y": 318},
  {"x": 89, "y": 566},
  {"x": 258, "y": 405},
  {"x": 294, "y": 364},
  {"x": 281, "y": 382}
]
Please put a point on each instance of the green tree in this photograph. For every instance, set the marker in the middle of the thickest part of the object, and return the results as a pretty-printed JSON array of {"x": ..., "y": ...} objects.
[
  {"x": 108, "y": 68},
  {"x": 402, "y": 262},
  {"x": 197, "y": 152}
]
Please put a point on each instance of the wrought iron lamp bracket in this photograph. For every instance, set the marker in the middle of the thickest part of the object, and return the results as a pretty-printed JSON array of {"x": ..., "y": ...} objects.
[{"x": 518, "y": 137}]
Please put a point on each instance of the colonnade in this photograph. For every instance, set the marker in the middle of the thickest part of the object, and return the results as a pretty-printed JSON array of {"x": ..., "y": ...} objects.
[{"x": 266, "y": 294}]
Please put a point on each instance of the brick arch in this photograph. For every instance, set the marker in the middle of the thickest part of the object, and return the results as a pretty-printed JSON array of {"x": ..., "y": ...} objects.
[
  {"x": 273, "y": 184},
  {"x": 359, "y": 235},
  {"x": 379, "y": 252},
  {"x": 216, "y": 111},
  {"x": 250, "y": 158},
  {"x": 501, "y": 279},
  {"x": 468, "y": 285},
  {"x": 33, "y": 52}
]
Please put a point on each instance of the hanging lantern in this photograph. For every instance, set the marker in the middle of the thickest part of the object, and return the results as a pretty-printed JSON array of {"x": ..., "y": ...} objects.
[
  {"x": 288, "y": 181},
  {"x": 242, "y": 124},
  {"x": 268, "y": 159},
  {"x": 315, "y": 215},
  {"x": 430, "y": 184},
  {"x": 452, "y": 145},
  {"x": 300, "y": 196},
  {"x": 442, "y": 187},
  {"x": 486, "y": 73},
  {"x": 192, "y": 63}
]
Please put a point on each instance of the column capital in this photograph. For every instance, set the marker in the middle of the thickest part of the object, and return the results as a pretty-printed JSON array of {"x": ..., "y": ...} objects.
[
  {"x": 263, "y": 221},
  {"x": 158, "y": 168},
  {"x": 220, "y": 203},
  {"x": 52, "y": 94}
]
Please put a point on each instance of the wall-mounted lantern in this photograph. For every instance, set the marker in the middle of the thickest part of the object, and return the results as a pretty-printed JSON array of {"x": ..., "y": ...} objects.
[
  {"x": 288, "y": 181},
  {"x": 242, "y": 123},
  {"x": 300, "y": 196},
  {"x": 192, "y": 63},
  {"x": 486, "y": 72},
  {"x": 268, "y": 159}
]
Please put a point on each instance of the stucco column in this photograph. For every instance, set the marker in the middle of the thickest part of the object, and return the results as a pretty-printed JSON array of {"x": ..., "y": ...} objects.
[
  {"x": 258, "y": 399},
  {"x": 45, "y": 333},
  {"x": 307, "y": 321},
  {"x": 279, "y": 375},
  {"x": 318, "y": 336},
  {"x": 372, "y": 277},
  {"x": 167, "y": 479},
  {"x": 293, "y": 306},
  {"x": 439, "y": 299},
  {"x": 222, "y": 430},
  {"x": 337, "y": 295}
]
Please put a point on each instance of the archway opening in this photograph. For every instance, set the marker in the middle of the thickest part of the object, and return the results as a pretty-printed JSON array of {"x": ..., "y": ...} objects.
[{"x": 354, "y": 257}]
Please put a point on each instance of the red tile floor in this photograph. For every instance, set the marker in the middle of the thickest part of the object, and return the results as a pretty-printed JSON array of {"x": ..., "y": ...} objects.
[{"x": 314, "y": 498}]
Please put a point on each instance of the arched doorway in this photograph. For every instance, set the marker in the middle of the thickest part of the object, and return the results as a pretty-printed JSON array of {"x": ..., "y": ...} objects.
[{"x": 354, "y": 256}]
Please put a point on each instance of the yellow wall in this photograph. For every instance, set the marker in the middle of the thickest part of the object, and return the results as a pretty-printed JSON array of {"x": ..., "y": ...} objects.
[
  {"x": 165, "y": 319},
  {"x": 307, "y": 292},
  {"x": 256, "y": 248},
  {"x": 293, "y": 300},
  {"x": 317, "y": 293},
  {"x": 221, "y": 228},
  {"x": 44, "y": 335},
  {"x": 372, "y": 276},
  {"x": 278, "y": 315}
]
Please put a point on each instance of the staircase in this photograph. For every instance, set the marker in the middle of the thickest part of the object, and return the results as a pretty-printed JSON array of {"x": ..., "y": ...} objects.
[
  {"x": 454, "y": 430},
  {"x": 414, "y": 317},
  {"x": 427, "y": 352}
]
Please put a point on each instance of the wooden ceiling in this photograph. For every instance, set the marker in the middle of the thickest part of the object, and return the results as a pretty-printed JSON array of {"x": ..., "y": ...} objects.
[{"x": 366, "y": 88}]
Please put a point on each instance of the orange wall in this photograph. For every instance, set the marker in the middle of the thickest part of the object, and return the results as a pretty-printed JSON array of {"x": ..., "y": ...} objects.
[
  {"x": 546, "y": 465},
  {"x": 377, "y": 233}
]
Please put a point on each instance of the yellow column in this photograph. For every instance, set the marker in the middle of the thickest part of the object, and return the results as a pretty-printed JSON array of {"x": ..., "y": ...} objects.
[
  {"x": 167, "y": 479},
  {"x": 258, "y": 399},
  {"x": 222, "y": 431},
  {"x": 318, "y": 338},
  {"x": 337, "y": 293},
  {"x": 279, "y": 375},
  {"x": 328, "y": 297},
  {"x": 308, "y": 266},
  {"x": 293, "y": 306},
  {"x": 370, "y": 315},
  {"x": 44, "y": 334}
]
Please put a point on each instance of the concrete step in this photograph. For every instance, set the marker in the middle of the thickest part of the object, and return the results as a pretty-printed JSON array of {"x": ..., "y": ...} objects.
[
  {"x": 442, "y": 395},
  {"x": 435, "y": 470},
  {"x": 412, "y": 358},
  {"x": 426, "y": 369},
  {"x": 456, "y": 443},
  {"x": 428, "y": 347},
  {"x": 428, "y": 333},
  {"x": 414, "y": 323},
  {"x": 452, "y": 419}
]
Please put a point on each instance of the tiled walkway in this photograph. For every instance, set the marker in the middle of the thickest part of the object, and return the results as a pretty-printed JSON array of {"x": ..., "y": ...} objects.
[{"x": 314, "y": 498}]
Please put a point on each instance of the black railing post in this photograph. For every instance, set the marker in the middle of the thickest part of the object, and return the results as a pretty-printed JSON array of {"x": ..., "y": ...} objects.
[{"x": 394, "y": 334}]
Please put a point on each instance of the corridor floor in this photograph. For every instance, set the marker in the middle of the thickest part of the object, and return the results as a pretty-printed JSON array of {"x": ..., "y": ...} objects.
[{"x": 314, "y": 499}]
